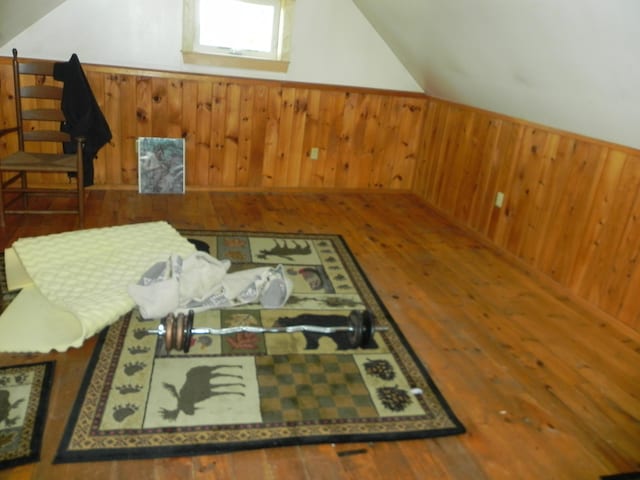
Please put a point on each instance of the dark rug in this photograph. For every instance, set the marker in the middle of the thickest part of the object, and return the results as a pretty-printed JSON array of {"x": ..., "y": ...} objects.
[
  {"x": 24, "y": 396},
  {"x": 249, "y": 390}
]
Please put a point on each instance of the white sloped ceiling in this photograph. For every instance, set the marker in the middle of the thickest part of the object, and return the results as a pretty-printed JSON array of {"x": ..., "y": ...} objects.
[
  {"x": 333, "y": 42},
  {"x": 16, "y": 15},
  {"x": 568, "y": 64}
]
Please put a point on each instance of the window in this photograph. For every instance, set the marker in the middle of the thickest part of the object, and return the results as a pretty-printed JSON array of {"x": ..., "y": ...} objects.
[{"x": 237, "y": 33}]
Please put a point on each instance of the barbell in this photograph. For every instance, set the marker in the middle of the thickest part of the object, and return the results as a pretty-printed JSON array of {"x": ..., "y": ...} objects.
[{"x": 178, "y": 329}]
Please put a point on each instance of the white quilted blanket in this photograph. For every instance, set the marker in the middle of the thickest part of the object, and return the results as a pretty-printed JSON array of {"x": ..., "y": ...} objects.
[{"x": 87, "y": 272}]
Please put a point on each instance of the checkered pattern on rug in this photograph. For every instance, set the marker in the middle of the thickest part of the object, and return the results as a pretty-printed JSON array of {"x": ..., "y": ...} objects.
[{"x": 297, "y": 388}]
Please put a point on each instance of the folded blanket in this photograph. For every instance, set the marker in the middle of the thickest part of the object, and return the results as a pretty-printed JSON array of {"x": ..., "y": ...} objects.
[{"x": 86, "y": 273}]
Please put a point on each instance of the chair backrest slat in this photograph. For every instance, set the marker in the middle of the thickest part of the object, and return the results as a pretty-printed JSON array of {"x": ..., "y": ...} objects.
[
  {"x": 43, "y": 114},
  {"x": 37, "y": 68},
  {"x": 41, "y": 91},
  {"x": 46, "y": 136}
]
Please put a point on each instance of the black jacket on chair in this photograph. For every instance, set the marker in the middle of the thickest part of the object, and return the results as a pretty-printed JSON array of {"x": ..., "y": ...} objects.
[{"x": 83, "y": 115}]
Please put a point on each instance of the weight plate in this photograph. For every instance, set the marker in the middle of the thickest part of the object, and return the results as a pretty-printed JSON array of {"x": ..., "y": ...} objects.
[
  {"x": 188, "y": 329},
  {"x": 367, "y": 328},
  {"x": 354, "y": 336},
  {"x": 168, "y": 335},
  {"x": 180, "y": 323}
]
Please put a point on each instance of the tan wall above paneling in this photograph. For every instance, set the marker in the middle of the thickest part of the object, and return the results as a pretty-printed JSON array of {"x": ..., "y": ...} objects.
[
  {"x": 571, "y": 207},
  {"x": 254, "y": 134}
]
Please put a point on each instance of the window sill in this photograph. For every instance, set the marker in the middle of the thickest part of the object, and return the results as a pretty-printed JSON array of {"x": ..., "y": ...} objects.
[{"x": 231, "y": 61}]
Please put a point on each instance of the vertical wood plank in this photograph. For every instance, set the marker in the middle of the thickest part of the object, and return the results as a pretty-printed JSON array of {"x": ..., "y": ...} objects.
[
  {"x": 175, "y": 103},
  {"x": 384, "y": 148},
  {"x": 394, "y": 148},
  {"x": 296, "y": 147},
  {"x": 107, "y": 168},
  {"x": 367, "y": 141},
  {"x": 408, "y": 143},
  {"x": 439, "y": 155},
  {"x": 321, "y": 173},
  {"x": 217, "y": 140},
  {"x": 259, "y": 121},
  {"x": 461, "y": 126},
  {"x": 159, "y": 107},
  {"x": 553, "y": 174},
  {"x": 232, "y": 161},
  {"x": 285, "y": 136},
  {"x": 310, "y": 139},
  {"x": 245, "y": 136},
  {"x": 597, "y": 223},
  {"x": 511, "y": 137},
  {"x": 346, "y": 140},
  {"x": 482, "y": 203},
  {"x": 189, "y": 129},
  {"x": 144, "y": 107},
  {"x": 525, "y": 181},
  {"x": 100, "y": 86},
  {"x": 617, "y": 273},
  {"x": 128, "y": 164},
  {"x": 572, "y": 212},
  {"x": 471, "y": 166},
  {"x": 432, "y": 139},
  {"x": 558, "y": 179},
  {"x": 270, "y": 165},
  {"x": 204, "y": 149}
]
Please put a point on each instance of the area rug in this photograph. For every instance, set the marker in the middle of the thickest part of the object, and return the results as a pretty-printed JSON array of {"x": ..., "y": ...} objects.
[
  {"x": 257, "y": 390},
  {"x": 24, "y": 397}
]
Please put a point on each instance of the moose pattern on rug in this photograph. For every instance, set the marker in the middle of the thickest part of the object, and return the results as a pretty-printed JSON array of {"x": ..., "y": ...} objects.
[
  {"x": 24, "y": 396},
  {"x": 231, "y": 389}
]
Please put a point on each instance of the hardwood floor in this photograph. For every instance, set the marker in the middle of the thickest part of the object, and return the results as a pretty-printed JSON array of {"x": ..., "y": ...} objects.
[{"x": 546, "y": 388}]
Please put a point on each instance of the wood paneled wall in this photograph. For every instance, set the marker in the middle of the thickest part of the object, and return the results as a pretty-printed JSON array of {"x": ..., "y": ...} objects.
[
  {"x": 571, "y": 208},
  {"x": 572, "y": 204},
  {"x": 251, "y": 134}
]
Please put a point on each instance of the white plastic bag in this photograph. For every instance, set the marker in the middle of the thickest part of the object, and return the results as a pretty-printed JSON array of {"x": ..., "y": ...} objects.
[{"x": 202, "y": 282}]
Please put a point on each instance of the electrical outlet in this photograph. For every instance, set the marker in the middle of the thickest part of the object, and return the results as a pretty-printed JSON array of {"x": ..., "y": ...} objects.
[
  {"x": 499, "y": 199},
  {"x": 313, "y": 154}
]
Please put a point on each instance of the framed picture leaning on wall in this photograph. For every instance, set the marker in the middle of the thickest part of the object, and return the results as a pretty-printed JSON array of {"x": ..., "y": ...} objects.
[{"x": 160, "y": 165}]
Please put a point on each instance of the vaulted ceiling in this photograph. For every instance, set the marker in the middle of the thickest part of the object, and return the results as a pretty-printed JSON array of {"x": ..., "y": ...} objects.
[
  {"x": 570, "y": 64},
  {"x": 16, "y": 15}
]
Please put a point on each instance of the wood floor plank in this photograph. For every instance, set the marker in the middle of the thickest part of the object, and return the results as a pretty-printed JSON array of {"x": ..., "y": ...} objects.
[
  {"x": 284, "y": 462},
  {"x": 545, "y": 387},
  {"x": 320, "y": 462},
  {"x": 250, "y": 464},
  {"x": 359, "y": 461},
  {"x": 208, "y": 467}
]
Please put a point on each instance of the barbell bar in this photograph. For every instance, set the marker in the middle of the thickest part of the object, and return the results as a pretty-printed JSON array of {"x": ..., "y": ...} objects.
[{"x": 178, "y": 330}]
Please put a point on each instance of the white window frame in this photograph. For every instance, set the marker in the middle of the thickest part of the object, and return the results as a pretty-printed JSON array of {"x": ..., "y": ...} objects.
[{"x": 277, "y": 60}]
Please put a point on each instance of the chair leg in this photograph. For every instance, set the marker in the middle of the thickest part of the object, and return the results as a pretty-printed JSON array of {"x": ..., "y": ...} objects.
[
  {"x": 24, "y": 194},
  {"x": 81, "y": 204},
  {"x": 2, "y": 224},
  {"x": 80, "y": 180}
]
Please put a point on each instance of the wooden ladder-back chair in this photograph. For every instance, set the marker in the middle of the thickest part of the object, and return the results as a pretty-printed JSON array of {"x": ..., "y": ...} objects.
[{"x": 38, "y": 98}]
